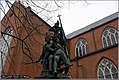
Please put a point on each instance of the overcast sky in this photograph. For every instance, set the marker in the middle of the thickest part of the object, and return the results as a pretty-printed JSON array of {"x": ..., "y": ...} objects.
[{"x": 81, "y": 14}]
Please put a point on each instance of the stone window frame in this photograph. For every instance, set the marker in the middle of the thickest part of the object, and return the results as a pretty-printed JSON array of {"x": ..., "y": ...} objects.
[
  {"x": 109, "y": 37},
  {"x": 4, "y": 44},
  {"x": 106, "y": 68},
  {"x": 81, "y": 45}
]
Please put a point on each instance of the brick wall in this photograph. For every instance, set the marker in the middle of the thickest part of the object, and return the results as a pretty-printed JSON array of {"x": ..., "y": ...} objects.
[{"x": 86, "y": 66}]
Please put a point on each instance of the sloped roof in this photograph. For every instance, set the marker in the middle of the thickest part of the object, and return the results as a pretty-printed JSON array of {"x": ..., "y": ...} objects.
[
  {"x": 18, "y": 2},
  {"x": 93, "y": 25}
]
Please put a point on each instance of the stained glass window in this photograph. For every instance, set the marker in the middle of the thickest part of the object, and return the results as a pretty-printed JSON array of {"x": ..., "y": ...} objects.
[
  {"x": 107, "y": 70},
  {"x": 4, "y": 45},
  {"x": 109, "y": 37},
  {"x": 81, "y": 48}
]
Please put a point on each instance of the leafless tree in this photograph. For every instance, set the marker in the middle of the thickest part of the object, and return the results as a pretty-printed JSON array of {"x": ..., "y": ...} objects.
[{"x": 45, "y": 9}]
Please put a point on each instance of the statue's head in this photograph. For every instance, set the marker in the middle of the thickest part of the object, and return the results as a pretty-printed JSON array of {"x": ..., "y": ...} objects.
[
  {"x": 56, "y": 24},
  {"x": 56, "y": 40},
  {"x": 47, "y": 38}
]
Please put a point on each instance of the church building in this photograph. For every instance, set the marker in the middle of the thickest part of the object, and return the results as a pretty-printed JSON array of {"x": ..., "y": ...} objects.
[
  {"x": 93, "y": 50},
  {"x": 21, "y": 42}
]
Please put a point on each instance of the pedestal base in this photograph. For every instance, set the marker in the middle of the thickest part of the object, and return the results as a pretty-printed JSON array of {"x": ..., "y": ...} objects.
[
  {"x": 53, "y": 77},
  {"x": 49, "y": 75}
]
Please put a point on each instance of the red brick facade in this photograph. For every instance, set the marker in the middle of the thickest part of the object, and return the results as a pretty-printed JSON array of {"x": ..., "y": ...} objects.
[
  {"x": 30, "y": 28},
  {"x": 83, "y": 67},
  {"x": 87, "y": 65}
]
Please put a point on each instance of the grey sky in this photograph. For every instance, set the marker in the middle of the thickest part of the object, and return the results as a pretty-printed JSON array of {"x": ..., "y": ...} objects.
[
  {"x": 78, "y": 17},
  {"x": 81, "y": 14}
]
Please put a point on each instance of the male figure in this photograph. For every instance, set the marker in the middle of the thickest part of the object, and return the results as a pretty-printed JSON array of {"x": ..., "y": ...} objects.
[
  {"x": 47, "y": 54},
  {"x": 59, "y": 54},
  {"x": 56, "y": 29},
  {"x": 59, "y": 44}
]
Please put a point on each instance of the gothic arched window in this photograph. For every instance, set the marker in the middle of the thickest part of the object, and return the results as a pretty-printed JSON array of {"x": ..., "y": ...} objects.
[
  {"x": 81, "y": 48},
  {"x": 109, "y": 37},
  {"x": 4, "y": 45},
  {"x": 107, "y": 70}
]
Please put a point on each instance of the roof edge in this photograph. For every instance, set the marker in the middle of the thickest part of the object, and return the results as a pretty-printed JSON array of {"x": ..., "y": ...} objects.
[
  {"x": 40, "y": 19},
  {"x": 18, "y": 2},
  {"x": 93, "y": 25}
]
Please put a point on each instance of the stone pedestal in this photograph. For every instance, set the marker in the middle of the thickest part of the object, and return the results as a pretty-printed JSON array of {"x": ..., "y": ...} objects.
[{"x": 49, "y": 75}]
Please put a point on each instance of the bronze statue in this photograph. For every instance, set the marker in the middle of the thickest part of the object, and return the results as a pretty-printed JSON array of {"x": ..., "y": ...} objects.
[
  {"x": 59, "y": 55},
  {"x": 54, "y": 55},
  {"x": 47, "y": 55}
]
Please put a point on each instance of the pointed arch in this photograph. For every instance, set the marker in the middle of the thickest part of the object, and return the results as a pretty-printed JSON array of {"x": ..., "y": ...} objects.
[
  {"x": 109, "y": 37},
  {"x": 107, "y": 70},
  {"x": 4, "y": 45},
  {"x": 81, "y": 48}
]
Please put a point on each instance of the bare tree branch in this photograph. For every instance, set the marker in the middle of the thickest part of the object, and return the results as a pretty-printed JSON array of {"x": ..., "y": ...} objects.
[{"x": 35, "y": 29}]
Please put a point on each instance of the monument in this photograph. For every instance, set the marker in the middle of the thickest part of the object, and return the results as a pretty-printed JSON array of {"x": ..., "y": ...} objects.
[{"x": 55, "y": 57}]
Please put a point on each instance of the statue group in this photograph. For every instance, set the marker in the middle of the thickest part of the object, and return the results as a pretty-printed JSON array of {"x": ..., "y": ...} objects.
[{"x": 55, "y": 58}]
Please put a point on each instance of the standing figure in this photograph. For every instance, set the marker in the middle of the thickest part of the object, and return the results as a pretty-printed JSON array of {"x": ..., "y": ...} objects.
[
  {"x": 56, "y": 29},
  {"x": 59, "y": 54},
  {"x": 47, "y": 54},
  {"x": 60, "y": 45}
]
